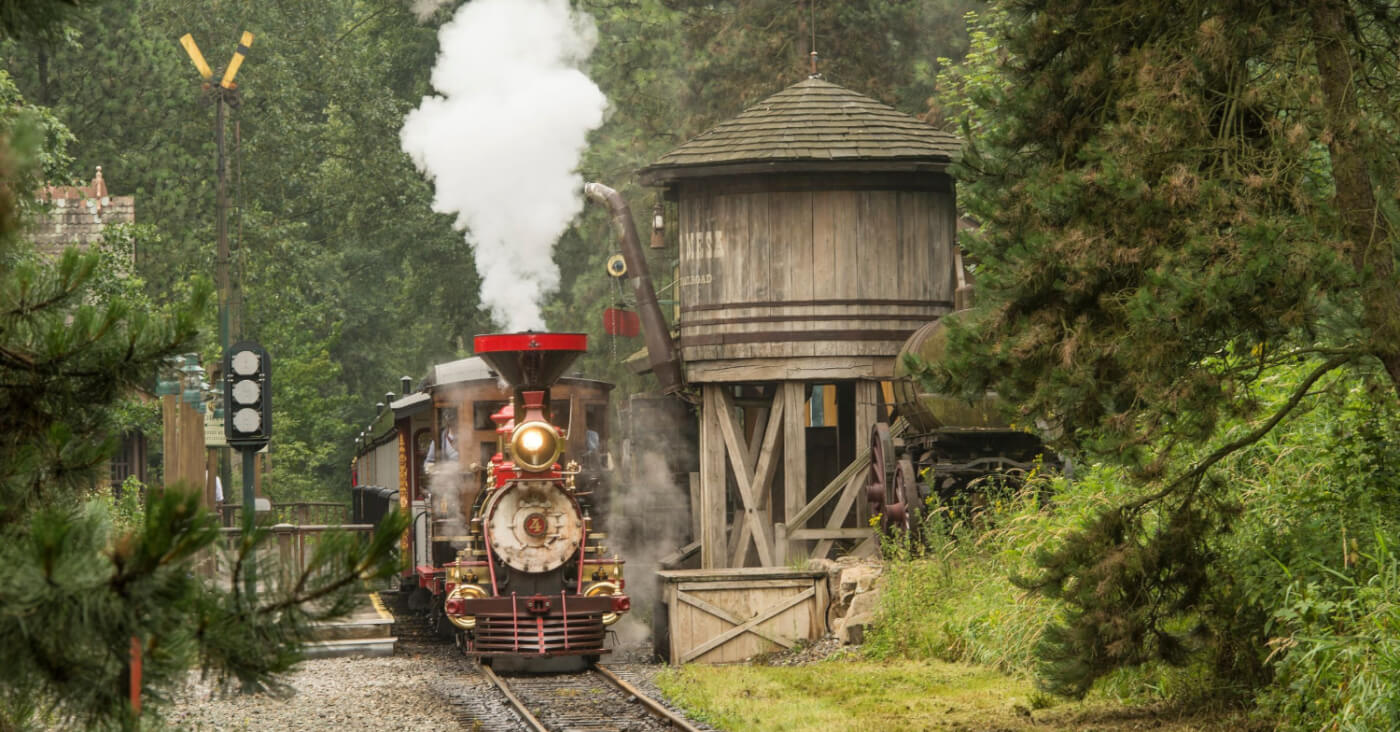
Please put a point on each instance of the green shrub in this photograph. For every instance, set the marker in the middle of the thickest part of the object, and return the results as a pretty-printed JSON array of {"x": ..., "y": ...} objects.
[
  {"x": 1338, "y": 652},
  {"x": 1302, "y": 615}
]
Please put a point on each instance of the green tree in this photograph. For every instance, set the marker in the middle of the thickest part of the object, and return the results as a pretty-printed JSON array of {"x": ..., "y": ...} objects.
[
  {"x": 76, "y": 590},
  {"x": 340, "y": 258},
  {"x": 1177, "y": 201}
]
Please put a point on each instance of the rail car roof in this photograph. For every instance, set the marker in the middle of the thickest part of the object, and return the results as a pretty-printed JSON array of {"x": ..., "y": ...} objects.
[
  {"x": 411, "y": 404},
  {"x": 475, "y": 369},
  {"x": 454, "y": 372}
]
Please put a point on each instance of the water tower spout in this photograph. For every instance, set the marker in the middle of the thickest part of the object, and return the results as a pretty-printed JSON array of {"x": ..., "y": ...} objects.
[{"x": 661, "y": 350}]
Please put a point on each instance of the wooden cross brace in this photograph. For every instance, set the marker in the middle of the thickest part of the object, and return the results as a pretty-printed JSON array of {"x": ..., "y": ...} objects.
[
  {"x": 755, "y": 479},
  {"x": 740, "y": 626}
]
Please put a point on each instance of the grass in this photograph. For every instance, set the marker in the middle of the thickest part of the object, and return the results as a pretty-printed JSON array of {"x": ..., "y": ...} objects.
[
  {"x": 953, "y": 647},
  {"x": 862, "y": 695}
]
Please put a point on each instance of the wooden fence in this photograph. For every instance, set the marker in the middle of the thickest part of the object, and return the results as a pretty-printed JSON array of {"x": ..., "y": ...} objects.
[{"x": 292, "y": 546}]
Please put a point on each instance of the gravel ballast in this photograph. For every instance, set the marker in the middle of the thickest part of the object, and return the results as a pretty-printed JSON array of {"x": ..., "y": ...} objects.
[
  {"x": 421, "y": 688},
  {"x": 400, "y": 692}
]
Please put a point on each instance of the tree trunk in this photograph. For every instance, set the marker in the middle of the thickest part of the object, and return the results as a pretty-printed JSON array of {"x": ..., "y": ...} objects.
[{"x": 1365, "y": 230}]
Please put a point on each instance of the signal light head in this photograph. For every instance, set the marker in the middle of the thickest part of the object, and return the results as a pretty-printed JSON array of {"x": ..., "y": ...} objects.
[
  {"x": 247, "y": 420},
  {"x": 247, "y": 371}
]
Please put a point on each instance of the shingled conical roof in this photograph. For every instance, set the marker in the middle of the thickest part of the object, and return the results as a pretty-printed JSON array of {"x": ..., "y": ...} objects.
[{"x": 811, "y": 122}]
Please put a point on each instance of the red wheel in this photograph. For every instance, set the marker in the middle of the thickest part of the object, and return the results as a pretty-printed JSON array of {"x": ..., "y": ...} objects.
[
  {"x": 881, "y": 468},
  {"x": 902, "y": 507}
]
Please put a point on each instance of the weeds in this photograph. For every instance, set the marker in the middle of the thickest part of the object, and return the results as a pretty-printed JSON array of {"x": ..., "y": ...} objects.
[{"x": 1303, "y": 617}]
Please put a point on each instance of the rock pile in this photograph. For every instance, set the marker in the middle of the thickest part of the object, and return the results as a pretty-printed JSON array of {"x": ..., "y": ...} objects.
[{"x": 853, "y": 585}]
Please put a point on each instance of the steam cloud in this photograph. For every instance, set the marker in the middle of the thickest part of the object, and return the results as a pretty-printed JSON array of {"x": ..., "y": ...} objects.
[
  {"x": 446, "y": 484},
  {"x": 503, "y": 139},
  {"x": 648, "y": 514}
]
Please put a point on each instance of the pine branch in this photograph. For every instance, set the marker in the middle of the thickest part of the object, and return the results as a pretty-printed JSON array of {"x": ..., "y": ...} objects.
[{"x": 1198, "y": 471}]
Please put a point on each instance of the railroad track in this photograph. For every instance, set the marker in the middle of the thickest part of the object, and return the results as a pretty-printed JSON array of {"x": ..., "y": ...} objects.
[{"x": 595, "y": 700}]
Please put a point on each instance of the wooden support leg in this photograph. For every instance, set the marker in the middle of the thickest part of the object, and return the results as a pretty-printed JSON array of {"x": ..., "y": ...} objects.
[
  {"x": 869, "y": 405},
  {"x": 794, "y": 399},
  {"x": 713, "y": 552}
]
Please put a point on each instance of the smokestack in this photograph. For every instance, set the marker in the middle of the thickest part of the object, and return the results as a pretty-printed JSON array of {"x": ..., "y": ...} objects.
[
  {"x": 530, "y": 360},
  {"x": 661, "y": 350}
]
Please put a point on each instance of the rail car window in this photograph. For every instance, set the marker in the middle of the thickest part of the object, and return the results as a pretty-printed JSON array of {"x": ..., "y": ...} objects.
[
  {"x": 595, "y": 419},
  {"x": 481, "y": 414},
  {"x": 559, "y": 412}
]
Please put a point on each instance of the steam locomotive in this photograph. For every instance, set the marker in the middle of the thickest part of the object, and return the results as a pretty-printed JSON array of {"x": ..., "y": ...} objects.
[{"x": 505, "y": 556}]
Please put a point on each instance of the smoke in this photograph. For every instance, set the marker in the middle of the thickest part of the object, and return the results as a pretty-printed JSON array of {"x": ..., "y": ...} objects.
[
  {"x": 649, "y": 516},
  {"x": 502, "y": 140},
  {"x": 448, "y": 485}
]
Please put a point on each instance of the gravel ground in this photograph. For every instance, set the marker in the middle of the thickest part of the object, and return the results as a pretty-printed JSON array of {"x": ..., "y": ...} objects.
[
  {"x": 422, "y": 688},
  {"x": 401, "y": 692}
]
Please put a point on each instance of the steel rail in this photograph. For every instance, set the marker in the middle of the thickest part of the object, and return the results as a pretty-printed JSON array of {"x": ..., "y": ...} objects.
[
  {"x": 656, "y": 708},
  {"x": 525, "y": 714}
]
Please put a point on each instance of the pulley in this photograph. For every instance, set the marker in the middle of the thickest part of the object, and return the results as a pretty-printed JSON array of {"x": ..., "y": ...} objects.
[{"x": 617, "y": 266}]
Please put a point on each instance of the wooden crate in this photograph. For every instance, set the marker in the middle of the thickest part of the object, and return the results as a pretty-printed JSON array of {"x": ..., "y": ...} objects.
[{"x": 729, "y": 615}]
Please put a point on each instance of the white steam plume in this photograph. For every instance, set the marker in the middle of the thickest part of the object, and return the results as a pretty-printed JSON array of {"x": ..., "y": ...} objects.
[
  {"x": 424, "y": 9},
  {"x": 503, "y": 139}
]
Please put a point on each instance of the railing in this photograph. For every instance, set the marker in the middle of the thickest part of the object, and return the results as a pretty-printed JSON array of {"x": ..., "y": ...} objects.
[
  {"x": 307, "y": 513},
  {"x": 294, "y": 545}
]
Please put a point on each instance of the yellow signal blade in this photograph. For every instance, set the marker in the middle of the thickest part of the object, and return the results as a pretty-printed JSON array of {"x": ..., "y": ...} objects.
[
  {"x": 243, "y": 44},
  {"x": 187, "y": 41}
]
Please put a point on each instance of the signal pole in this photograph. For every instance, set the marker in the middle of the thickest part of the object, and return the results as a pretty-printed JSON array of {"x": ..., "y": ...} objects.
[{"x": 224, "y": 95}]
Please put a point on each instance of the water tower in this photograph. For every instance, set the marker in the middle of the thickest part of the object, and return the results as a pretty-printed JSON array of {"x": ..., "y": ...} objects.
[{"x": 817, "y": 232}]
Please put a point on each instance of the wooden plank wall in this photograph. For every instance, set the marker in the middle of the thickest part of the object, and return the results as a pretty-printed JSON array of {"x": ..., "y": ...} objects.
[
  {"x": 729, "y": 615},
  {"x": 762, "y": 270}
]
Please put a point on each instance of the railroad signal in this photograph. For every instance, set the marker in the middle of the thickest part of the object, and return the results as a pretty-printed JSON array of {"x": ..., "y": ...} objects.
[
  {"x": 206, "y": 73},
  {"x": 200, "y": 64},
  {"x": 247, "y": 396},
  {"x": 243, "y": 44}
]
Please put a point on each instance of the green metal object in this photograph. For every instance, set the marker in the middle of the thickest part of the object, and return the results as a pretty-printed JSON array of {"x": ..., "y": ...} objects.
[
  {"x": 928, "y": 411},
  {"x": 250, "y": 510}
]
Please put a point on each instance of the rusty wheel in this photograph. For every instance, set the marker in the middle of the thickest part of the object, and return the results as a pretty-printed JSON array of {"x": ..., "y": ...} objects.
[
  {"x": 882, "y": 468},
  {"x": 903, "y": 507}
]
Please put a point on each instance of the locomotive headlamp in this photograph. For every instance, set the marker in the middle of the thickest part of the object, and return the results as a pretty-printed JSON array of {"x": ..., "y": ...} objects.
[
  {"x": 535, "y": 446},
  {"x": 532, "y": 440}
]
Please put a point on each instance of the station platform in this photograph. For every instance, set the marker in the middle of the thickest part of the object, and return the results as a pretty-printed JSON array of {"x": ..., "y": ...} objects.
[{"x": 369, "y": 631}]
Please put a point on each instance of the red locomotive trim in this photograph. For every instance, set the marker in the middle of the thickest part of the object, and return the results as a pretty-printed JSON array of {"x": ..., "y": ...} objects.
[
  {"x": 514, "y": 625},
  {"x": 530, "y": 342}
]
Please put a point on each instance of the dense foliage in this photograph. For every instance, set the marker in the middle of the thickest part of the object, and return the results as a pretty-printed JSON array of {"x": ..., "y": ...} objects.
[
  {"x": 84, "y": 578},
  {"x": 1186, "y": 242}
]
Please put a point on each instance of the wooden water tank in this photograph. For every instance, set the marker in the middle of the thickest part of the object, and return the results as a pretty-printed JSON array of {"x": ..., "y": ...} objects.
[{"x": 817, "y": 232}]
